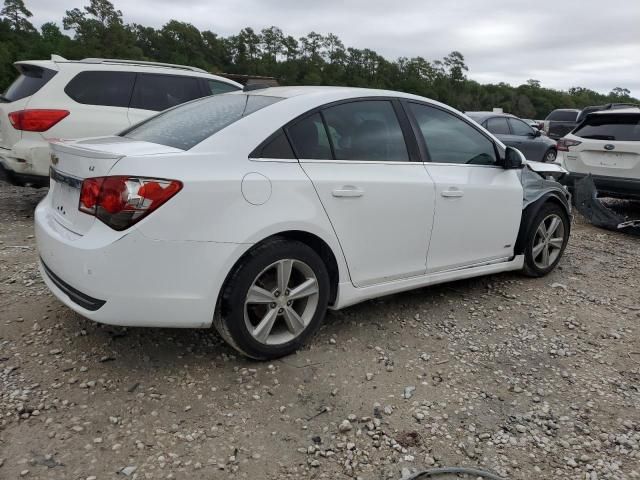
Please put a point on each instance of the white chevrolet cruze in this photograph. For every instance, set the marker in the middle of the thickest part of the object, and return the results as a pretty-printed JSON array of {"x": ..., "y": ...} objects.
[{"x": 255, "y": 211}]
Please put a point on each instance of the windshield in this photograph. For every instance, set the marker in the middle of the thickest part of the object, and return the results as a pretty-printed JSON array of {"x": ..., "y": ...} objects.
[
  {"x": 563, "y": 116},
  {"x": 187, "y": 125},
  {"x": 625, "y": 127}
]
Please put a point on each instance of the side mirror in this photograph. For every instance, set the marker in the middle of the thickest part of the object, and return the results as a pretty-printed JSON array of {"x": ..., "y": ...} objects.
[
  {"x": 536, "y": 132},
  {"x": 513, "y": 159}
]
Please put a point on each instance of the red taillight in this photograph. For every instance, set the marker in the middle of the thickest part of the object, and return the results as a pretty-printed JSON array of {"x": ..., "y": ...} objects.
[
  {"x": 121, "y": 201},
  {"x": 564, "y": 143},
  {"x": 36, "y": 120}
]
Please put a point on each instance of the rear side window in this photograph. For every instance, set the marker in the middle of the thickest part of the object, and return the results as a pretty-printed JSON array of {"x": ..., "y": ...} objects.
[
  {"x": 110, "y": 89},
  {"x": 277, "y": 147},
  {"x": 498, "y": 126},
  {"x": 217, "y": 87},
  {"x": 563, "y": 116},
  {"x": 366, "y": 130},
  {"x": 309, "y": 138},
  {"x": 158, "y": 92},
  {"x": 187, "y": 125},
  {"x": 31, "y": 80},
  {"x": 610, "y": 127}
]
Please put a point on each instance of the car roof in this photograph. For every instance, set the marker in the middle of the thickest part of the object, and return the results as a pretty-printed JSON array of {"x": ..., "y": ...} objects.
[
  {"x": 482, "y": 116},
  {"x": 328, "y": 91},
  {"x": 618, "y": 111},
  {"x": 56, "y": 62}
]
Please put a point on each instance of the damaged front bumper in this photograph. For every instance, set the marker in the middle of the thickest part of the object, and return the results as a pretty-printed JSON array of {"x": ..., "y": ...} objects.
[{"x": 588, "y": 204}]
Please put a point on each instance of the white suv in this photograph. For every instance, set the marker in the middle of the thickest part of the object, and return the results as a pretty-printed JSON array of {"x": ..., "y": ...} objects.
[
  {"x": 607, "y": 146},
  {"x": 59, "y": 98}
]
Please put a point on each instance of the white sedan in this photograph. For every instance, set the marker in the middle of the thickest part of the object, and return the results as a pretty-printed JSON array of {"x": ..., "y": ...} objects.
[{"x": 256, "y": 211}]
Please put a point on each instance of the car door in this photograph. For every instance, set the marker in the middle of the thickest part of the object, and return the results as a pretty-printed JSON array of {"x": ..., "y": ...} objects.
[
  {"x": 478, "y": 203},
  {"x": 531, "y": 145},
  {"x": 358, "y": 155},
  {"x": 154, "y": 92}
]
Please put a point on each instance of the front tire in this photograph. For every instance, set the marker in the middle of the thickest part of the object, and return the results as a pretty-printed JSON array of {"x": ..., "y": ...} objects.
[
  {"x": 547, "y": 240},
  {"x": 274, "y": 300}
]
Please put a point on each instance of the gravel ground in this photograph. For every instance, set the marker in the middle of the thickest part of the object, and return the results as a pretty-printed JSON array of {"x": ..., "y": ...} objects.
[{"x": 529, "y": 378}]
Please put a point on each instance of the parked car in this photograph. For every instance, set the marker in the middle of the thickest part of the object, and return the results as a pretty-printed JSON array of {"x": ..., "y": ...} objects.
[
  {"x": 515, "y": 132},
  {"x": 596, "y": 108},
  {"x": 256, "y": 210},
  {"x": 606, "y": 145},
  {"x": 560, "y": 122},
  {"x": 59, "y": 98}
]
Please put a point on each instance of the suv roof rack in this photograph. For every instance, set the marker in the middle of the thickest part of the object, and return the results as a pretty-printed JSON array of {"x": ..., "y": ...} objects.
[{"x": 141, "y": 62}]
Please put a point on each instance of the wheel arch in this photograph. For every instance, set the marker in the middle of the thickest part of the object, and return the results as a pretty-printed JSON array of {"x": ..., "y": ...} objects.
[
  {"x": 530, "y": 212},
  {"x": 316, "y": 243}
]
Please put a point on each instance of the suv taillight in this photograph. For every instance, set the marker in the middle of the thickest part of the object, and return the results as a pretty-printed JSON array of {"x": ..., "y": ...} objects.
[
  {"x": 564, "y": 143},
  {"x": 36, "y": 120},
  {"x": 121, "y": 201}
]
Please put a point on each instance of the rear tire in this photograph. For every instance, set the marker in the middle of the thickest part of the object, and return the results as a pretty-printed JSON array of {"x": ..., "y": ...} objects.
[
  {"x": 258, "y": 319},
  {"x": 546, "y": 240}
]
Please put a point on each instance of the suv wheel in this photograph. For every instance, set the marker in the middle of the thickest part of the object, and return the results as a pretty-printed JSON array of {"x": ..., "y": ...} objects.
[
  {"x": 547, "y": 240},
  {"x": 550, "y": 156},
  {"x": 274, "y": 300}
]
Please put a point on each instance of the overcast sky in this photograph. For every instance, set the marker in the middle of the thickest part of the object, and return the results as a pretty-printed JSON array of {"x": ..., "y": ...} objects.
[{"x": 562, "y": 43}]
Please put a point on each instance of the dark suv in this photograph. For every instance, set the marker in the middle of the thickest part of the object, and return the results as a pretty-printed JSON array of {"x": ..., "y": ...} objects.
[{"x": 560, "y": 122}]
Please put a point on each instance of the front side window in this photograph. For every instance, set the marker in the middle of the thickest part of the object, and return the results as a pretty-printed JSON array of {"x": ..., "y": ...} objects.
[
  {"x": 518, "y": 127},
  {"x": 110, "y": 89},
  {"x": 158, "y": 92},
  {"x": 217, "y": 87},
  {"x": 450, "y": 139},
  {"x": 366, "y": 130},
  {"x": 187, "y": 125},
  {"x": 611, "y": 127},
  {"x": 309, "y": 138},
  {"x": 498, "y": 126}
]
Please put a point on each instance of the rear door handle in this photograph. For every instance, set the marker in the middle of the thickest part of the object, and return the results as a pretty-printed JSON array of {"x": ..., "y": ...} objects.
[
  {"x": 452, "y": 193},
  {"x": 347, "y": 191}
]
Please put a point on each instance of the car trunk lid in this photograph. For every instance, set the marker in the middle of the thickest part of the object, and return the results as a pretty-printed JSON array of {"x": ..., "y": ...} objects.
[{"x": 74, "y": 161}]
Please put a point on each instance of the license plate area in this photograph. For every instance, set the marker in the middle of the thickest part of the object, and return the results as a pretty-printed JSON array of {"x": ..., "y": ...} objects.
[{"x": 65, "y": 196}]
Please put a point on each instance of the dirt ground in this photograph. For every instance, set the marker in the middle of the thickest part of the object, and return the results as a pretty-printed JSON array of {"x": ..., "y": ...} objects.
[{"x": 530, "y": 378}]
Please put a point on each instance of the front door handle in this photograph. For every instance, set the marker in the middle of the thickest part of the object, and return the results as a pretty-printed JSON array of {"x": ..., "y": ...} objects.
[
  {"x": 452, "y": 193},
  {"x": 348, "y": 191}
]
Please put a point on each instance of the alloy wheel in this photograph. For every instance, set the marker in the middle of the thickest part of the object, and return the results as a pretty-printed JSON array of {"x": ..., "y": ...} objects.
[
  {"x": 550, "y": 156},
  {"x": 281, "y": 302},
  {"x": 548, "y": 241}
]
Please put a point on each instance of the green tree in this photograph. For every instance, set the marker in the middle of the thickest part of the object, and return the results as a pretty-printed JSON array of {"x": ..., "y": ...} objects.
[{"x": 17, "y": 13}]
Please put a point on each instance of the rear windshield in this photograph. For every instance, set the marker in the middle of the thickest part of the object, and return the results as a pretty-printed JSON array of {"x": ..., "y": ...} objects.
[
  {"x": 610, "y": 127},
  {"x": 31, "y": 80},
  {"x": 563, "y": 116},
  {"x": 187, "y": 125}
]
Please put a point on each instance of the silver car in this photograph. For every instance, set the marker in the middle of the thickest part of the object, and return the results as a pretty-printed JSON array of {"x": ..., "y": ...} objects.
[{"x": 514, "y": 132}]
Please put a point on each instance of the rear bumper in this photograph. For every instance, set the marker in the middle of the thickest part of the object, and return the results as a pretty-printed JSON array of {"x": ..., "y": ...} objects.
[
  {"x": 609, "y": 186},
  {"x": 125, "y": 278},
  {"x": 27, "y": 163}
]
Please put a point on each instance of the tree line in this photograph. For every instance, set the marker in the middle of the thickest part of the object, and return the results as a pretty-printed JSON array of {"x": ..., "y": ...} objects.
[{"x": 98, "y": 30}]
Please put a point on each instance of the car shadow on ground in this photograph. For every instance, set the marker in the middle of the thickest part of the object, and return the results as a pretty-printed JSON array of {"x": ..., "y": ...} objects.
[{"x": 160, "y": 351}]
